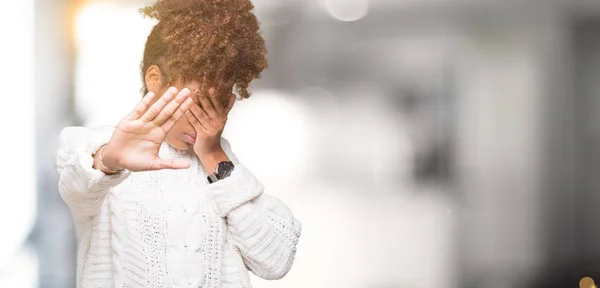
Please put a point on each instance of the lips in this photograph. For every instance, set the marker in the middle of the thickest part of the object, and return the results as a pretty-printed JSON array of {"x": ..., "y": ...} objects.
[{"x": 190, "y": 138}]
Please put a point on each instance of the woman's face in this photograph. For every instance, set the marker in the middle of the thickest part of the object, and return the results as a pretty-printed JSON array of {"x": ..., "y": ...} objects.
[{"x": 182, "y": 135}]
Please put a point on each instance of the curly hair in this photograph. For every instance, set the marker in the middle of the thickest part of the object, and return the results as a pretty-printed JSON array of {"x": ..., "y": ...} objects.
[{"x": 217, "y": 42}]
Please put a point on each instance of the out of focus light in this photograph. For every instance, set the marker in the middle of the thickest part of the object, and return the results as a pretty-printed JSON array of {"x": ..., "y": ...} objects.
[
  {"x": 90, "y": 23},
  {"x": 275, "y": 13},
  {"x": 18, "y": 202},
  {"x": 23, "y": 271},
  {"x": 269, "y": 131},
  {"x": 347, "y": 10},
  {"x": 587, "y": 282},
  {"x": 110, "y": 40}
]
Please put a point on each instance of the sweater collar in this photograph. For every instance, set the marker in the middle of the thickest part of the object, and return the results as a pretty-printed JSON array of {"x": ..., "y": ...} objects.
[{"x": 168, "y": 151}]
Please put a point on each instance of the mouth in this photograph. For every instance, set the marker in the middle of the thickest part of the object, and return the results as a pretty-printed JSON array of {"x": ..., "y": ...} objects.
[{"x": 190, "y": 138}]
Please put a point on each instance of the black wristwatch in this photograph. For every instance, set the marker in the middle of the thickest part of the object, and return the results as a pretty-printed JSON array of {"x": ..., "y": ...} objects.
[{"x": 222, "y": 171}]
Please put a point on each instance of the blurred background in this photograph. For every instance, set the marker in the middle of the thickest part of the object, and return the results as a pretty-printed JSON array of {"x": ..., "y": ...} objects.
[{"x": 422, "y": 143}]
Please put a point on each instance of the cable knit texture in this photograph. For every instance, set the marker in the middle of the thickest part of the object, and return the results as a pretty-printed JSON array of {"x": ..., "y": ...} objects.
[{"x": 170, "y": 228}]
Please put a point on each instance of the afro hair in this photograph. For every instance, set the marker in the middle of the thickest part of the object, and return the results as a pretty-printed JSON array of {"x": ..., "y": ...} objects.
[{"x": 217, "y": 42}]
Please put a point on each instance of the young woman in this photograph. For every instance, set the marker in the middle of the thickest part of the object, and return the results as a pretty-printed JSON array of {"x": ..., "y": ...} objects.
[{"x": 161, "y": 200}]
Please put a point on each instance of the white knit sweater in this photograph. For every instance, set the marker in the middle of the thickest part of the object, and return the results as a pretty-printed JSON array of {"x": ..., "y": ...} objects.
[{"x": 169, "y": 228}]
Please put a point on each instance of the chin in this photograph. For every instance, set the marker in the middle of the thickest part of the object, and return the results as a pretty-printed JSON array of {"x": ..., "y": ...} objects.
[
  {"x": 184, "y": 146},
  {"x": 180, "y": 145}
]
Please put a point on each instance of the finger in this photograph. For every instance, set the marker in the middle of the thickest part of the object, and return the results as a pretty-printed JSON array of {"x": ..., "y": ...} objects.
[
  {"x": 159, "y": 105},
  {"x": 207, "y": 106},
  {"x": 194, "y": 121},
  {"x": 168, "y": 111},
  {"x": 230, "y": 104},
  {"x": 214, "y": 100},
  {"x": 201, "y": 116},
  {"x": 177, "y": 115},
  {"x": 179, "y": 163},
  {"x": 141, "y": 107}
]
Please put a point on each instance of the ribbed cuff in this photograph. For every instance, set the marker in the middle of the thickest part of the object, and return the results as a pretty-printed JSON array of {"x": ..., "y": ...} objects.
[
  {"x": 229, "y": 193},
  {"x": 97, "y": 180},
  {"x": 268, "y": 246}
]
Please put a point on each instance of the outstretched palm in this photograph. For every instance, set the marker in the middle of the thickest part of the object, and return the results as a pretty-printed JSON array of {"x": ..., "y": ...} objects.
[{"x": 137, "y": 138}]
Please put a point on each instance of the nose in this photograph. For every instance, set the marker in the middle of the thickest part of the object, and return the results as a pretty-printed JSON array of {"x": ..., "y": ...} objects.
[{"x": 188, "y": 125}]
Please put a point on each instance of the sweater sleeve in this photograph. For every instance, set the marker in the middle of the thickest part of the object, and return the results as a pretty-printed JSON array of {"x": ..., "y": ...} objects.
[
  {"x": 82, "y": 187},
  {"x": 262, "y": 227}
]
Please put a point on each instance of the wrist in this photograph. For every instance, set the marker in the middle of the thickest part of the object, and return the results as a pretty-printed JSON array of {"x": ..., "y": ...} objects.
[
  {"x": 208, "y": 149},
  {"x": 106, "y": 161},
  {"x": 210, "y": 160}
]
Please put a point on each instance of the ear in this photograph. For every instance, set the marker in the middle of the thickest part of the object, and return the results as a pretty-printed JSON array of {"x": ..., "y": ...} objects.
[{"x": 153, "y": 79}]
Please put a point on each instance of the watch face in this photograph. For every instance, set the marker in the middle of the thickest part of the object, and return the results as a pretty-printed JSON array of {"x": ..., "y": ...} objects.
[{"x": 224, "y": 169}]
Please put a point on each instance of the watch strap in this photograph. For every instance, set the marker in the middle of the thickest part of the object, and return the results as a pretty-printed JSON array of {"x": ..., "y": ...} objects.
[{"x": 212, "y": 178}]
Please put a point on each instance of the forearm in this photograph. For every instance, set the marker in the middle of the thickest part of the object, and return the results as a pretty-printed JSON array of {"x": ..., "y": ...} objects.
[
  {"x": 267, "y": 235},
  {"x": 80, "y": 185},
  {"x": 210, "y": 160},
  {"x": 261, "y": 226}
]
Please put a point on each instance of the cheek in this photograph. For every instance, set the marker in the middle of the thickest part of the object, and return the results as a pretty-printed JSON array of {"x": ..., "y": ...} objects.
[
  {"x": 184, "y": 125},
  {"x": 179, "y": 127}
]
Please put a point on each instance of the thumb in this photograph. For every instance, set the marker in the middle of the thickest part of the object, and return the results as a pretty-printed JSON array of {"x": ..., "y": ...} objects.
[{"x": 230, "y": 103}]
